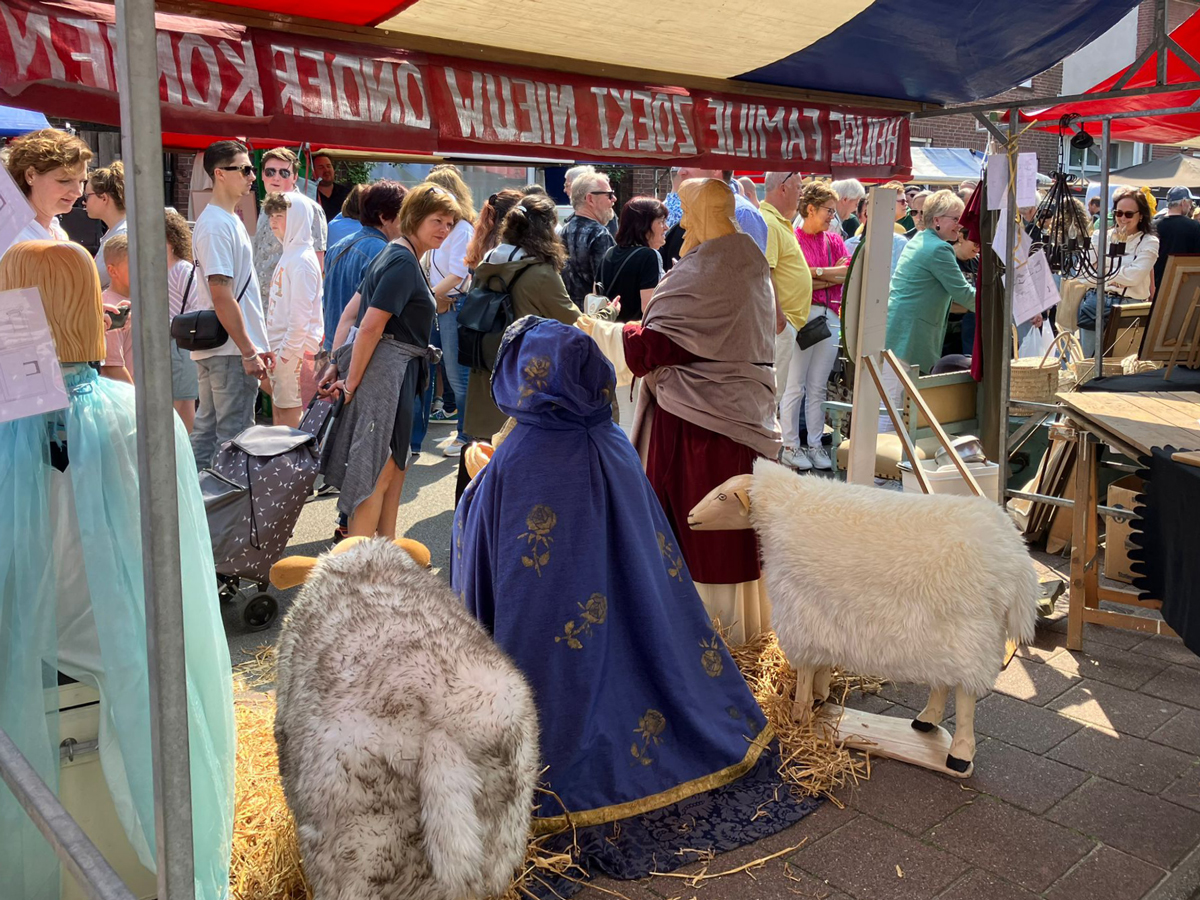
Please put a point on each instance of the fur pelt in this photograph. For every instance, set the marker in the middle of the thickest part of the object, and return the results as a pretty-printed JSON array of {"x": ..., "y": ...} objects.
[
  {"x": 407, "y": 739},
  {"x": 910, "y": 587}
]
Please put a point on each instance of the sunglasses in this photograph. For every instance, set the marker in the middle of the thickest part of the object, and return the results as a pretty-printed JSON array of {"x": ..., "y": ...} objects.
[
  {"x": 246, "y": 171},
  {"x": 271, "y": 172},
  {"x": 612, "y": 195},
  {"x": 1123, "y": 214}
]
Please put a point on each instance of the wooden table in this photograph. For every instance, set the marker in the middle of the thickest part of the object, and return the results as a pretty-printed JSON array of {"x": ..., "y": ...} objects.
[{"x": 1131, "y": 424}]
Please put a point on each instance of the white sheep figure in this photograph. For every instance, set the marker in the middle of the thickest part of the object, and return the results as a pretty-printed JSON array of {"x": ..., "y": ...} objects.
[
  {"x": 911, "y": 587},
  {"x": 407, "y": 739}
]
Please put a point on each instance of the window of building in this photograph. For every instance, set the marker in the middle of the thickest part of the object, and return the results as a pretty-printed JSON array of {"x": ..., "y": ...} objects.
[{"x": 1120, "y": 155}]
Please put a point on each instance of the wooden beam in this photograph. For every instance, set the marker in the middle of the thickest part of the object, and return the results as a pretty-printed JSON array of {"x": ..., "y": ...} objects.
[
  {"x": 934, "y": 424},
  {"x": 910, "y": 449}
]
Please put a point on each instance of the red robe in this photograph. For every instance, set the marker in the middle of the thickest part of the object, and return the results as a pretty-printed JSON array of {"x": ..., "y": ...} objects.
[{"x": 684, "y": 463}]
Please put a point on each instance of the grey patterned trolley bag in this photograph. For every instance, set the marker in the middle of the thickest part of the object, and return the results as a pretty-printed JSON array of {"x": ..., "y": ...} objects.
[{"x": 253, "y": 495}]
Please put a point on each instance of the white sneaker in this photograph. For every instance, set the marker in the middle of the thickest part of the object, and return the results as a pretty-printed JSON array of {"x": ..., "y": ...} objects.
[
  {"x": 796, "y": 458},
  {"x": 453, "y": 449},
  {"x": 819, "y": 458}
]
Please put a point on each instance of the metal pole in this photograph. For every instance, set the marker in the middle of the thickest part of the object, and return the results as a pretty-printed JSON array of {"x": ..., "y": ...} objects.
[
  {"x": 1102, "y": 253},
  {"x": 1160, "y": 38},
  {"x": 78, "y": 855},
  {"x": 141, "y": 145},
  {"x": 1010, "y": 277}
]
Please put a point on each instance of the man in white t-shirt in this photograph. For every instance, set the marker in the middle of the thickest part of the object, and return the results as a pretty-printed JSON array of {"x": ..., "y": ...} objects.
[{"x": 226, "y": 282}]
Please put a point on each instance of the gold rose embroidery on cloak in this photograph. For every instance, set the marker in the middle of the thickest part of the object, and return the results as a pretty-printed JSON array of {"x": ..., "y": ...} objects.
[
  {"x": 537, "y": 376},
  {"x": 672, "y": 556},
  {"x": 594, "y": 612},
  {"x": 540, "y": 522},
  {"x": 650, "y": 729},
  {"x": 711, "y": 659}
]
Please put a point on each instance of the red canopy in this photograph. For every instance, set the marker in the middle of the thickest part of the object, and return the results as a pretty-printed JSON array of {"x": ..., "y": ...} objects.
[
  {"x": 360, "y": 12},
  {"x": 1148, "y": 129}
]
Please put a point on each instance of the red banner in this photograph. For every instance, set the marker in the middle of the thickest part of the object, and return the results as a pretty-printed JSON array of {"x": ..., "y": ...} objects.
[{"x": 272, "y": 86}]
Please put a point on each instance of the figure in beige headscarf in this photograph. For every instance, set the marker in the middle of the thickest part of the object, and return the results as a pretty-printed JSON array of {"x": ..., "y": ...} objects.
[{"x": 706, "y": 348}]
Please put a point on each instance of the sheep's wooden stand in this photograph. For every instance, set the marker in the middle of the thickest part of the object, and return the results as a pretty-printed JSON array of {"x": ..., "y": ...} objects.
[{"x": 893, "y": 738}]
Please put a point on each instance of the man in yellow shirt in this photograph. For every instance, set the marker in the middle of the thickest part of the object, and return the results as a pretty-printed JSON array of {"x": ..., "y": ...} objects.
[{"x": 789, "y": 271}]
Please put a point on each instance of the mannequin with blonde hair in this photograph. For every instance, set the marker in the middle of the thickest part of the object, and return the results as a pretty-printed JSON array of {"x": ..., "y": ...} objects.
[
  {"x": 70, "y": 287},
  {"x": 73, "y": 601},
  {"x": 705, "y": 348}
]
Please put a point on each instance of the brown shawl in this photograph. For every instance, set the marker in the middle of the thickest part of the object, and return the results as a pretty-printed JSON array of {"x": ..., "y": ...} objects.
[{"x": 716, "y": 302}]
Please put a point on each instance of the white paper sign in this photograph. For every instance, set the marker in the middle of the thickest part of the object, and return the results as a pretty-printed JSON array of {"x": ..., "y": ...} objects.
[
  {"x": 15, "y": 212},
  {"x": 1034, "y": 290},
  {"x": 997, "y": 181},
  {"x": 31, "y": 380},
  {"x": 1024, "y": 242}
]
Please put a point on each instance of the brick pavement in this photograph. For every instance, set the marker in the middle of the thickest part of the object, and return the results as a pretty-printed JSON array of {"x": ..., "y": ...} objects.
[{"x": 1086, "y": 787}]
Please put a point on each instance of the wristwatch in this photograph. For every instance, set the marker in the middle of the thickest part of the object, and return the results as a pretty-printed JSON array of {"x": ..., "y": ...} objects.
[{"x": 819, "y": 271}]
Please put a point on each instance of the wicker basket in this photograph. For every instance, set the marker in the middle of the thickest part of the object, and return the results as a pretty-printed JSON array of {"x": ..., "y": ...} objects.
[
  {"x": 1080, "y": 367},
  {"x": 1034, "y": 380}
]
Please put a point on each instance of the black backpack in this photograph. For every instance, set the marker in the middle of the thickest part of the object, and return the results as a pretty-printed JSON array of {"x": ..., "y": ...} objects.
[{"x": 486, "y": 310}]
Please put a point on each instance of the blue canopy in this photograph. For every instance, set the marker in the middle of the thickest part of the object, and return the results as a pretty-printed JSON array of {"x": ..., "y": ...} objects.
[
  {"x": 945, "y": 165},
  {"x": 940, "y": 52},
  {"x": 14, "y": 121}
]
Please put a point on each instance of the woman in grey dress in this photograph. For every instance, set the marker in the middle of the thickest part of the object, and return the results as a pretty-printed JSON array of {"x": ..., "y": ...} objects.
[{"x": 384, "y": 369}]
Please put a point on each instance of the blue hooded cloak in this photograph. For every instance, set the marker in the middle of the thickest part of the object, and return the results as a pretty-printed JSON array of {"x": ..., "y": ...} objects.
[{"x": 562, "y": 551}]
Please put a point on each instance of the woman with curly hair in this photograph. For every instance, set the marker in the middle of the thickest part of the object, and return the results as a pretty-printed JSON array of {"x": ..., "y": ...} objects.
[{"x": 49, "y": 166}]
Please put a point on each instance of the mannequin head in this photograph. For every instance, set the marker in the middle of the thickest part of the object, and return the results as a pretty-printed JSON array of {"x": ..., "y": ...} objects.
[{"x": 70, "y": 289}]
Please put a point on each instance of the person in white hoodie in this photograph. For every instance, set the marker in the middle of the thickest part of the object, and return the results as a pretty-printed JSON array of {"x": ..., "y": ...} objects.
[{"x": 294, "y": 317}]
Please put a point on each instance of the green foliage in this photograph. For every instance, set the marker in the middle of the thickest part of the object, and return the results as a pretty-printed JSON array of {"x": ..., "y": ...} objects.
[{"x": 353, "y": 172}]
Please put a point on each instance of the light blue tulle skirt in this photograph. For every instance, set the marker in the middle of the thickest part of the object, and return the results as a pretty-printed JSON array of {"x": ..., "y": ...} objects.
[{"x": 72, "y": 601}]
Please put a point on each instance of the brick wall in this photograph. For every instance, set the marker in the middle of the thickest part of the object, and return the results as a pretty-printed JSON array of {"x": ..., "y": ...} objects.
[{"x": 182, "y": 166}]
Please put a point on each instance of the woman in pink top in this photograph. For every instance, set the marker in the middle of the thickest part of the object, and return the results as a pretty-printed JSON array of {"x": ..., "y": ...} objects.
[{"x": 808, "y": 375}]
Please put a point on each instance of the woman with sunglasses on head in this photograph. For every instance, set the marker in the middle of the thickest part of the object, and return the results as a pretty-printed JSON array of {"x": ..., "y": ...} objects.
[
  {"x": 1134, "y": 280},
  {"x": 808, "y": 375},
  {"x": 926, "y": 284}
]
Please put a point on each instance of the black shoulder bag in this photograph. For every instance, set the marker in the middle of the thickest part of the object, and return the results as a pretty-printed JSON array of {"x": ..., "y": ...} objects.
[
  {"x": 816, "y": 330},
  {"x": 201, "y": 329}
]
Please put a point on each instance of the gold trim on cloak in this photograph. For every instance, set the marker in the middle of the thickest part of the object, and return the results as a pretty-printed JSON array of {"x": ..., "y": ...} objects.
[{"x": 603, "y": 814}]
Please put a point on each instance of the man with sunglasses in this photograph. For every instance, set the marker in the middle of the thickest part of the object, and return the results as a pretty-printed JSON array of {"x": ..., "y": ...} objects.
[
  {"x": 279, "y": 173},
  {"x": 227, "y": 283},
  {"x": 585, "y": 235}
]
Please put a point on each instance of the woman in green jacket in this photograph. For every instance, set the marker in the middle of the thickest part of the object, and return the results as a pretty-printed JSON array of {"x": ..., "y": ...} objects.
[
  {"x": 529, "y": 258},
  {"x": 926, "y": 282}
]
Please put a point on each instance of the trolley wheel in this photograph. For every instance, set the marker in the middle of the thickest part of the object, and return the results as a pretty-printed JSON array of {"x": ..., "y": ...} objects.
[{"x": 260, "y": 612}]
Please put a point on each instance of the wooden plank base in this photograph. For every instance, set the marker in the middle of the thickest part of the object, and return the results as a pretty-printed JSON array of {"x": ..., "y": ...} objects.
[{"x": 893, "y": 738}]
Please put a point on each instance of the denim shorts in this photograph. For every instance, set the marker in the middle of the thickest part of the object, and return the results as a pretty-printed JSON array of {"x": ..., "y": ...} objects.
[{"x": 185, "y": 384}]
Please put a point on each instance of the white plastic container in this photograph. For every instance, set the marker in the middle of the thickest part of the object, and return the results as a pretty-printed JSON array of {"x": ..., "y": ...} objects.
[{"x": 947, "y": 480}]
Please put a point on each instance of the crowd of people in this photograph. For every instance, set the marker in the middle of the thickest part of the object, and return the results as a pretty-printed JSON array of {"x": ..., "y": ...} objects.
[
  {"x": 706, "y": 324},
  {"x": 355, "y": 296}
]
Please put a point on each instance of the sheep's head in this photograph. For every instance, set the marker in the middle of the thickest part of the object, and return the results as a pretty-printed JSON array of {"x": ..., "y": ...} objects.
[
  {"x": 293, "y": 570},
  {"x": 725, "y": 508}
]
